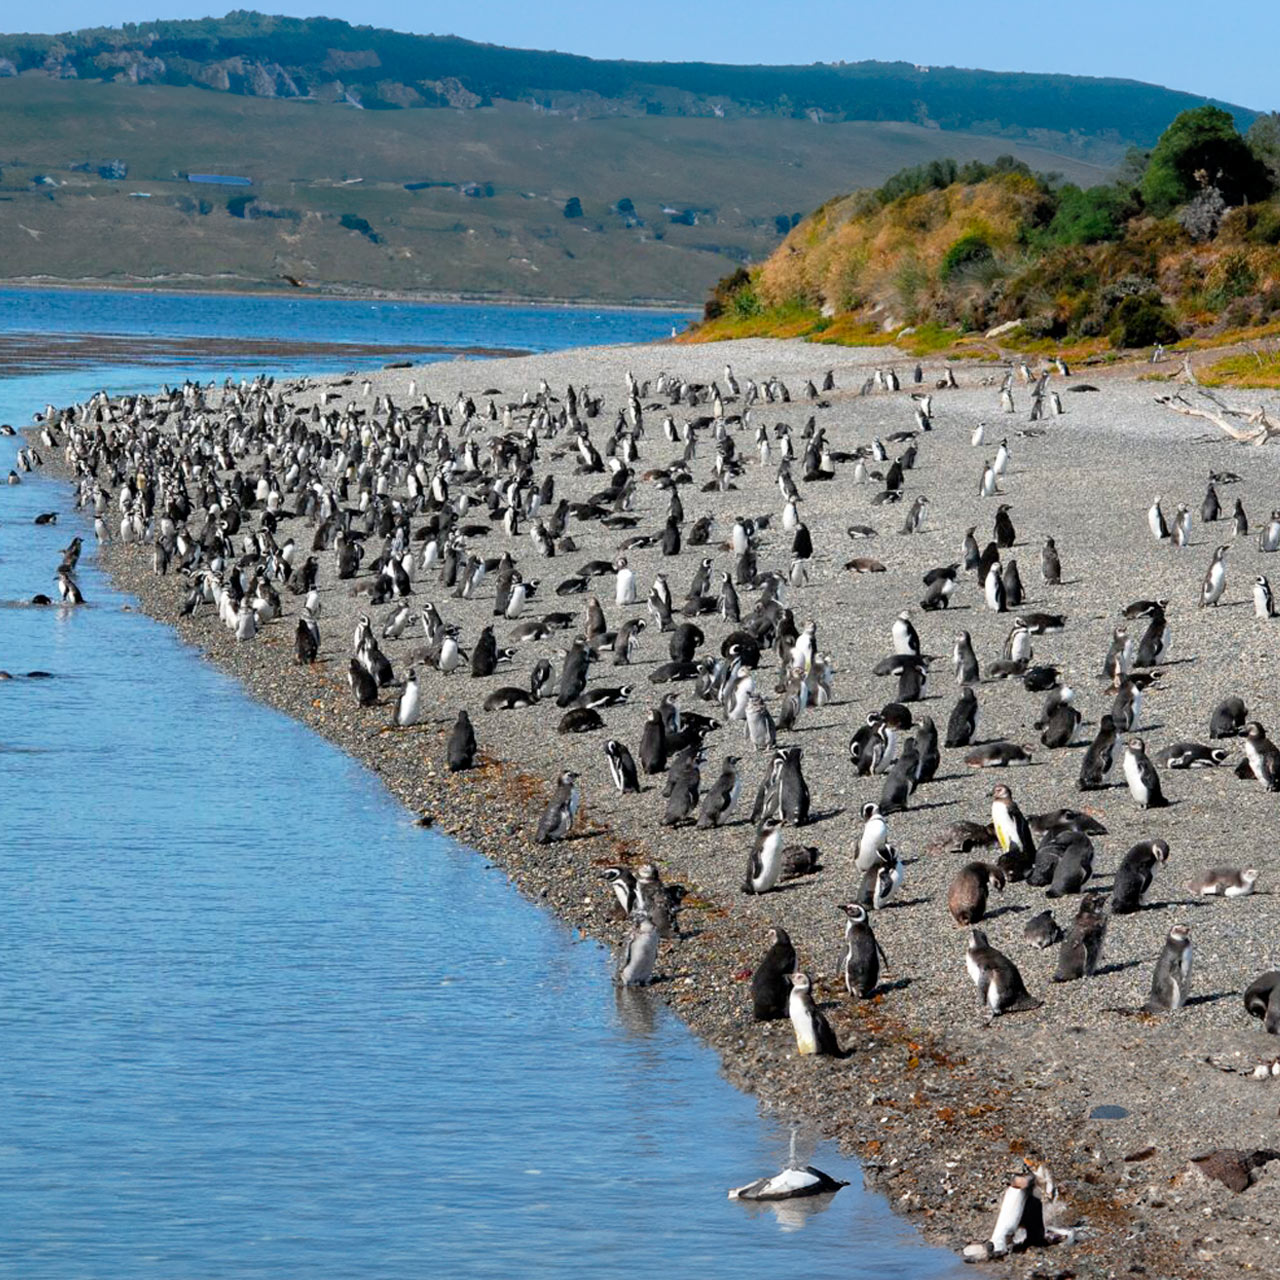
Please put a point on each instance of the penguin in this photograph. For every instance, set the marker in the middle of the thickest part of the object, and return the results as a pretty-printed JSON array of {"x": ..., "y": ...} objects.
[
  {"x": 905, "y": 638},
  {"x": 860, "y": 963},
  {"x": 1141, "y": 776},
  {"x": 1264, "y": 605},
  {"x": 653, "y": 744},
  {"x": 1081, "y": 950},
  {"x": 1262, "y": 756},
  {"x": 1126, "y": 710},
  {"x": 1228, "y": 718},
  {"x": 1013, "y": 834},
  {"x": 1215, "y": 578},
  {"x": 622, "y": 768},
  {"x": 562, "y": 808},
  {"x": 967, "y": 896},
  {"x": 1269, "y": 538},
  {"x": 1153, "y": 648},
  {"x": 963, "y": 721},
  {"x": 408, "y": 709},
  {"x": 792, "y": 788},
  {"x": 363, "y": 685},
  {"x": 1156, "y": 521},
  {"x": 1061, "y": 723},
  {"x": 307, "y": 639},
  {"x": 1099, "y": 758},
  {"x": 1005, "y": 534},
  {"x": 999, "y": 984},
  {"x": 770, "y": 981},
  {"x": 764, "y": 867},
  {"x": 814, "y": 1035},
  {"x": 1012, "y": 583},
  {"x": 874, "y": 837},
  {"x": 1192, "y": 755},
  {"x": 1134, "y": 877},
  {"x": 573, "y": 674},
  {"x": 1043, "y": 931},
  {"x": 1262, "y": 1001},
  {"x": 1050, "y": 564},
  {"x": 660, "y": 902},
  {"x": 964, "y": 660},
  {"x": 1224, "y": 882},
  {"x": 882, "y": 881},
  {"x": 1171, "y": 981},
  {"x": 460, "y": 750},
  {"x": 719, "y": 799},
  {"x": 1073, "y": 866},
  {"x": 639, "y": 954},
  {"x": 993, "y": 589},
  {"x": 1239, "y": 521}
]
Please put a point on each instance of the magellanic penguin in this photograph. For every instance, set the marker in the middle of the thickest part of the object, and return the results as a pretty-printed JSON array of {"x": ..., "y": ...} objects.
[
  {"x": 1013, "y": 834},
  {"x": 562, "y": 808},
  {"x": 461, "y": 748},
  {"x": 1264, "y": 604},
  {"x": 1215, "y": 578},
  {"x": 1171, "y": 981},
  {"x": 1224, "y": 882},
  {"x": 764, "y": 868},
  {"x": 1262, "y": 1000},
  {"x": 1081, "y": 949},
  {"x": 639, "y": 953},
  {"x": 962, "y": 724},
  {"x": 1099, "y": 758},
  {"x": 622, "y": 768},
  {"x": 874, "y": 837},
  {"x": 770, "y": 982},
  {"x": 1141, "y": 776},
  {"x": 967, "y": 896},
  {"x": 1262, "y": 755},
  {"x": 862, "y": 953},
  {"x": 408, "y": 708},
  {"x": 999, "y": 984},
  {"x": 814, "y": 1035},
  {"x": 1134, "y": 877}
]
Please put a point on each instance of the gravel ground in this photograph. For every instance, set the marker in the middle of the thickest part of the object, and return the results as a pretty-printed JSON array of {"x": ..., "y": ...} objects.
[{"x": 940, "y": 1107}]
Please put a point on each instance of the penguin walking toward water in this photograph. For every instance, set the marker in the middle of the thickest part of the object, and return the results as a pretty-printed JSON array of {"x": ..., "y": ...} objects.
[
  {"x": 1000, "y": 986},
  {"x": 639, "y": 953},
  {"x": 562, "y": 808},
  {"x": 771, "y": 979},
  {"x": 814, "y": 1035},
  {"x": 1171, "y": 981},
  {"x": 1141, "y": 776},
  {"x": 460, "y": 750}
]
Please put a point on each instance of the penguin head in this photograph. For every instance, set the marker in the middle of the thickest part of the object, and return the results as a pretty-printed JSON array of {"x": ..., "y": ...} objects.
[{"x": 855, "y": 911}]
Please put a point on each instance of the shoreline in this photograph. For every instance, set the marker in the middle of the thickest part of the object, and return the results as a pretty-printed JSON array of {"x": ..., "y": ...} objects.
[{"x": 936, "y": 1117}]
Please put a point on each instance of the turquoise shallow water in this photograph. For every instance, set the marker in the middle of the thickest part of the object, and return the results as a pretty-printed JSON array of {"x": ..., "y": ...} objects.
[{"x": 254, "y": 1023}]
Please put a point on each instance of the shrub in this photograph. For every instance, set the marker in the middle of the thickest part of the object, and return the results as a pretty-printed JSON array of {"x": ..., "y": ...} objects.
[
  {"x": 1092, "y": 216},
  {"x": 1201, "y": 147},
  {"x": 1141, "y": 321},
  {"x": 968, "y": 252},
  {"x": 1232, "y": 276},
  {"x": 723, "y": 291}
]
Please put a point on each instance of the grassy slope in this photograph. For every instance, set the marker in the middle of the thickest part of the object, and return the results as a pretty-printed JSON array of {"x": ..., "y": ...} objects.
[{"x": 517, "y": 243}]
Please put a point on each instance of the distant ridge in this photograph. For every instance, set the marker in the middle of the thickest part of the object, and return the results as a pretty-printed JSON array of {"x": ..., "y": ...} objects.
[{"x": 252, "y": 54}]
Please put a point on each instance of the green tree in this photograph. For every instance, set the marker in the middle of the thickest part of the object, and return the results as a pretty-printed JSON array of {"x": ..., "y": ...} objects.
[
  {"x": 1264, "y": 141},
  {"x": 1202, "y": 147}
]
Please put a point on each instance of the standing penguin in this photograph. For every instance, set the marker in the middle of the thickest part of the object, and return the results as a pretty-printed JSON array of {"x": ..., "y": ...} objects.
[
  {"x": 1134, "y": 877},
  {"x": 461, "y": 748},
  {"x": 622, "y": 768},
  {"x": 813, "y": 1032},
  {"x": 1141, "y": 776},
  {"x": 964, "y": 660},
  {"x": 764, "y": 867},
  {"x": 1081, "y": 949},
  {"x": 639, "y": 953},
  {"x": 862, "y": 953},
  {"x": 874, "y": 837},
  {"x": 1013, "y": 834},
  {"x": 1050, "y": 564},
  {"x": 1262, "y": 755},
  {"x": 1264, "y": 605},
  {"x": 770, "y": 982},
  {"x": 1215, "y": 579},
  {"x": 408, "y": 709},
  {"x": 1099, "y": 758},
  {"x": 562, "y": 808},
  {"x": 963, "y": 721},
  {"x": 719, "y": 800},
  {"x": 999, "y": 984},
  {"x": 993, "y": 589},
  {"x": 1172, "y": 978}
]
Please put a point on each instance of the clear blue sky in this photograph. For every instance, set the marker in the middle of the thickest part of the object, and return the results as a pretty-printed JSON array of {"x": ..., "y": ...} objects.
[{"x": 1178, "y": 43}]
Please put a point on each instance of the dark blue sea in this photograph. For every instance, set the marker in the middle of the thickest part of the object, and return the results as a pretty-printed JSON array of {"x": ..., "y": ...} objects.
[{"x": 253, "y": 1022}]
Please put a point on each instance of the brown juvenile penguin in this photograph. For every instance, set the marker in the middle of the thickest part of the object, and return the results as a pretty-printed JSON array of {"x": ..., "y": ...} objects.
[
  {"x": 967, "y": 897},
  {"x": 1081, "y": 949}
]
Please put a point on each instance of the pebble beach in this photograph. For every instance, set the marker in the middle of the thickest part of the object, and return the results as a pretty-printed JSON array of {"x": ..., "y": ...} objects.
[{"x": 940, "y": 1105}]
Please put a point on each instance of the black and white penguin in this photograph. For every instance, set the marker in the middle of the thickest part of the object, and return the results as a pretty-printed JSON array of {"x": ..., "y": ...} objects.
[
  {"x": 1141, "y": 776},
  {"x": 1215, "y": 578},
  {"x": 660, "y": 902},
  {"x": 1013, "y": 834},
  {"x": 639, "y": 954},
  {"x": 814, "y": 1035},
  {"x": 622, "y": 768},
  {"x": 623, "y": 883},
  {"x": 999, "y": 984},
  {"x": 1264, "y": 604},
  {"x": 1224, "y": 882},
  {"x": 874, "y": 837},
  {"x": 1262, "y": 756},
  {"x": 964, "y": 660},
  {"x": 882, "y": 881},
  {"x": 460, "y": 750},
  {"x": 363, "y": 685},
  {"x": 1043, "y": 930},
  {"x": 721, "y": 796},
  {"x": 764, "y": 867},
  {"x": 562, "y": 808},
  {"x": 408, "y": 708},
  {"x": 1192, "y": 755},
  {"x": 1262, "y": 1001},
  {"x": 1133, "y": 879},
  {"x": 862, "y": 953},
  {"x": 1228, "y": 718},
  {"x": 1156, "y": 641},
  {"x": 1171, "y": 981},
  {"x": 1081, "y": 950},
  {"x": 770, "y": 981}
]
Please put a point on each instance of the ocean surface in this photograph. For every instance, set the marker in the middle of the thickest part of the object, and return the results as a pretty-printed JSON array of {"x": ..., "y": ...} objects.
[{"x": 254, "y": 1023}]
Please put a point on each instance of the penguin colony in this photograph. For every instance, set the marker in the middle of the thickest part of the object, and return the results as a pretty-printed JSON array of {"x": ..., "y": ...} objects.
[{"x": 451, "y": 527}]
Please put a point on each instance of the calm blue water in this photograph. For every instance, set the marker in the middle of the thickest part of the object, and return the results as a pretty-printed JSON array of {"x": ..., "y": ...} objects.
[{"x": 253, "y": 1023}]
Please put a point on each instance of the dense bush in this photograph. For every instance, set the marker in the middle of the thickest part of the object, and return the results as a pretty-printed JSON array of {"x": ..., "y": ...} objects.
[
  {"x": 1091, "y": 216},
  {"x": 968, "y": 252},
  {"x": 1202, "y": 148},
  {"x": 1141, "y": 320}
]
